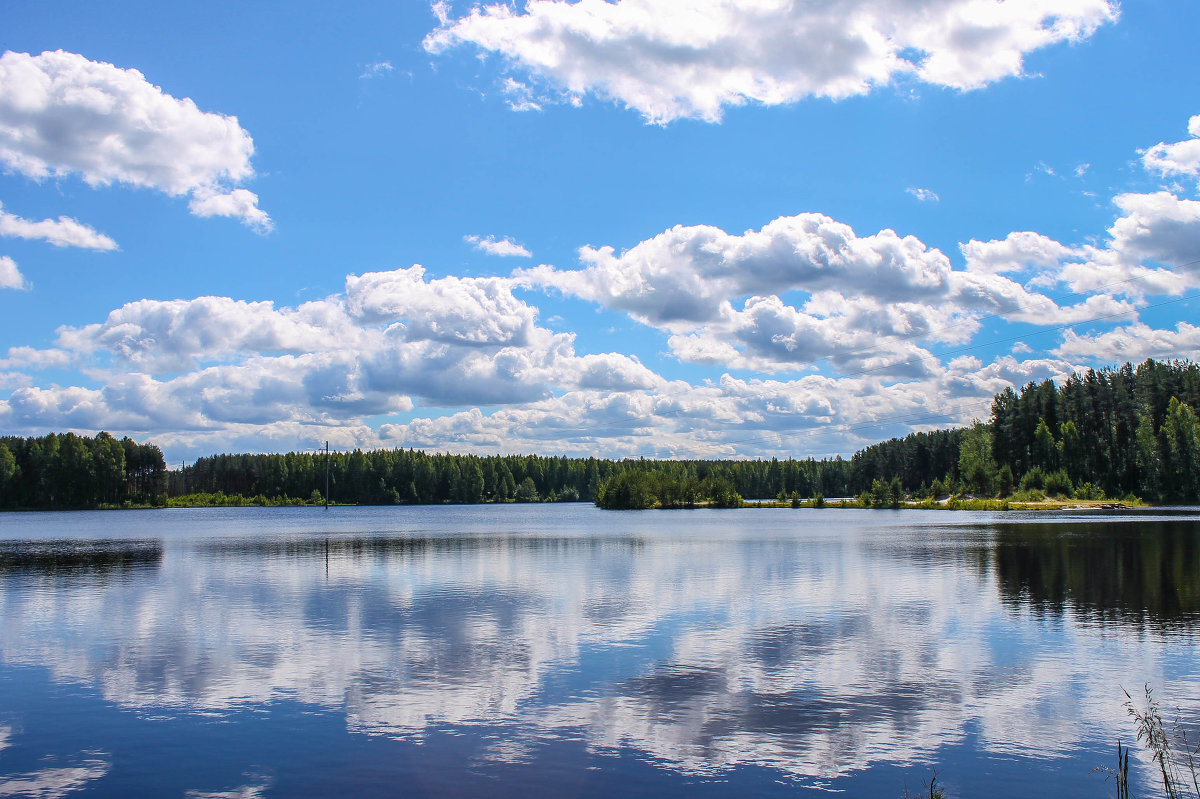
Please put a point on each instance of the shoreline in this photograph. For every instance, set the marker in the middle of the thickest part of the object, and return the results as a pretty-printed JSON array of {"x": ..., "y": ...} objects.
[{"x": 949, "y": 504}]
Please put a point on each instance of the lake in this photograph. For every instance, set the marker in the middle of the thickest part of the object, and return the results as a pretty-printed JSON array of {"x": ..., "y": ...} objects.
[{"x": 561, "y": 650}]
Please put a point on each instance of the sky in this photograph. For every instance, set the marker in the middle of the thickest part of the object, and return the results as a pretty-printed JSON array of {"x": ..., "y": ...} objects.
[{"x": 621, "y": 228}]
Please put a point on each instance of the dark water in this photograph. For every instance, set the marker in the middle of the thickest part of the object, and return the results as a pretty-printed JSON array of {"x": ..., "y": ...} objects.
[{"x": 565, "y": 651}]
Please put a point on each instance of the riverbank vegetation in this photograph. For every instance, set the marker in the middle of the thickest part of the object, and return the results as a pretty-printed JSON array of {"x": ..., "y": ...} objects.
[{"x": 1117, "y": 433}]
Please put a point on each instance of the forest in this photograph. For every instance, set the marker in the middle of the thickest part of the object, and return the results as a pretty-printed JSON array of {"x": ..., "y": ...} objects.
[
  {"x": 1114, "y": 432},
  {"x": 69, "y": 471}
]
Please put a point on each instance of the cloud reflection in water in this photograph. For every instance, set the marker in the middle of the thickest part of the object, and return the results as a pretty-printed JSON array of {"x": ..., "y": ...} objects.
[{"x": 812, "y": 654}]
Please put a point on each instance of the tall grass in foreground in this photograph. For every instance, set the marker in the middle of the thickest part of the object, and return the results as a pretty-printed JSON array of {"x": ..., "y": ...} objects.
[
  {"x": 1171, "y": 748},
  {"x": 934, "y": 791},
  {"x": 1174, "y": 751}
]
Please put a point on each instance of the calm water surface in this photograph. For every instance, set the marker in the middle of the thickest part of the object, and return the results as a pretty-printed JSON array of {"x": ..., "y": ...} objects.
[{"x": 560, "y": 650}]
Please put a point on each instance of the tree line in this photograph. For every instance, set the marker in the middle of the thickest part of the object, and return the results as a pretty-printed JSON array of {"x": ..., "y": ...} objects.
[
  {"x": 70, "y": 471},
  {"x": 1116, "y": 432},
  {"x": 1107, "y": 432}
]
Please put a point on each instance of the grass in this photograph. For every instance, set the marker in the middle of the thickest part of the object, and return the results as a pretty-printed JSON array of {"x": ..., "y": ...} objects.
[
  {"x": 1174, "y": 753},
  {"x": 223, "y": 500},
  {"x": 1171, "y": 749},
  {"x": 934, "y": 791},
  {"x": 958, "y": 503}
]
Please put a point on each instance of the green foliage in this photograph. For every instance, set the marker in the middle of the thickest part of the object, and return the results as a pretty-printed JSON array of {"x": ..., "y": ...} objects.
[
  {"x": 883, "y": 494},
  {"x": 1028, "y": 495},
  {"x": 721, "y": 493},
  {"x": 1180, "y": 456},
  {"x": 976, "y": 465},
  {"x": 1034, "y": 480},
  {"x": 71, "y": 471},
  {"x": 526, "y": 491},
  {"x": 627, "y": 490},
  {"x": 1004, "y": 481},
  {"x": 223, "y": 500},
  {"x": 1058, "y": 484},
  {"x": 665, "y": 487},
  {"x": 8, "y": 465}
]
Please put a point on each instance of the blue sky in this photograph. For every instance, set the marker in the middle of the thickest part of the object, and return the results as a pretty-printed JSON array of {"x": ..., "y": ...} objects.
[{"x": 720, "y": 228}]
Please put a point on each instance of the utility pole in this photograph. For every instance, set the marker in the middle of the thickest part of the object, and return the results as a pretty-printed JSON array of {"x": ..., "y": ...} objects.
[{"x": 326, "y": 475}]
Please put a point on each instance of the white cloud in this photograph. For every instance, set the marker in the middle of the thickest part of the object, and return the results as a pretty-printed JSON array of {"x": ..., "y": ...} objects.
[
  {"x": 1016, "y": 252},
  {"x": 1179, "y": 158},
  {"x": 215, "y": 365},
  {"x": 239, "y": 203},
  {"x": 870, "y": 298},
  {"x": 63, "y": 232},
  {"x": 505, "y": 247},
  {"x": 521, "y": 96},
  {"x": 684, "y": 275},
  {"x": 30, "y": 358},
  {"x": 669, "y": 61},
  {"x": 175, "y": 335},
  {"x": 464, "y": 311},
  {"x": 1133, "y": 343},
  {"x": 10, "y": 276},
  {"x": 1158, "y": 227},
  {"x": 731, "y": 417},
  {"x": 924, "y": 195},
  {"x": 61, "y": 114}
]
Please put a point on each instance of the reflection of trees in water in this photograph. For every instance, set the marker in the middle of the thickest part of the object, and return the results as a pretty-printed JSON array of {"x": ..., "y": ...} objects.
[
  {"x": 1144, "y": 573},
  {"x": 399, "y": 548},
  {"x": 78, "y": 557}
]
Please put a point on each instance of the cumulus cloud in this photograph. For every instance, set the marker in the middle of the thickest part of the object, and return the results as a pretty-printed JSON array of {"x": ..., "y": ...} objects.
[
  {"x": 465, "y": 311},
  {"x": 505, "y": 247},
  {"x": 1158, "y": 227},
  {"x": 176, "y": 335},
  {"x": 1133, "y": 343},
  {"x": 217, "y": 365},
  {"x": 62, "y": 114},
  {"x": 240, "y": 204},
  {"x": 814, "y": 414},
  {"x": 10, "y": 276},
  {"x": 1178, "y": 158},
  {"x": 31, "y": 358},
  {"x": 63, "y": 232},
  {"x": 869, "y": 298},
  {"x": 1017, "y": 252},
  {"x": 694, "y": 60},
  {"x": 685, "y": 274}
]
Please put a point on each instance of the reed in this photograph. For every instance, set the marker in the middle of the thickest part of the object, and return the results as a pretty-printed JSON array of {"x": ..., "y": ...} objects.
[{"x": 1171, "y": 749}]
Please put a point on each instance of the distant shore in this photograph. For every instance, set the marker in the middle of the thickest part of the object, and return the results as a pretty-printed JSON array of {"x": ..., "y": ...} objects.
[{"x": 849, "y": 503}]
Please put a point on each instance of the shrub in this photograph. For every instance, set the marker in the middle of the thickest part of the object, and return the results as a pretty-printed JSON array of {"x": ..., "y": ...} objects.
[{"x": 1058, "y": 484}]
